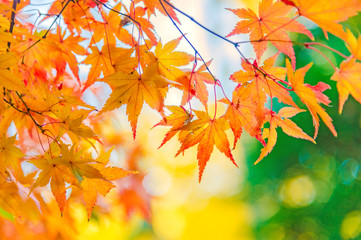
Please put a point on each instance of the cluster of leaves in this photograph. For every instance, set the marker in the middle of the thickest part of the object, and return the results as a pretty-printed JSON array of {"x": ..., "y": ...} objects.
[{"x": 43, "y": 89}]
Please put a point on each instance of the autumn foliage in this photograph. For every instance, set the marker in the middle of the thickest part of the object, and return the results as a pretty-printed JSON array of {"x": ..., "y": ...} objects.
[{"x": 47, "y": 127}]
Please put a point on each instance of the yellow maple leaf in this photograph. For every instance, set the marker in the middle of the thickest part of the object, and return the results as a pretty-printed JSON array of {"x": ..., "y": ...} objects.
[
  {"x": 9, "y": 80},
  {"x": 207, "y": 132},
  {"x": 348, "y": 81},
  {"x": 327, "y": 13},
  {"x": 288, "y": 126},
  {"x": 133, "y": 90},
  {"x": 308, "y": 97}
]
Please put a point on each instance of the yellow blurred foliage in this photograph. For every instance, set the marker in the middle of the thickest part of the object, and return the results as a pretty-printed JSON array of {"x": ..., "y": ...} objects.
[
  {"x": 217, "y": 219},
  {"x": 298, "y": 191},
  {"x": 182, "y": 208},
  {"x": 351, "y": 225}
]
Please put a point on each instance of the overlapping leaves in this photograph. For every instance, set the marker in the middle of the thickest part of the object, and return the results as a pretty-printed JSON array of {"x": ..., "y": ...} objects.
[{"x": 44, "y": 88}]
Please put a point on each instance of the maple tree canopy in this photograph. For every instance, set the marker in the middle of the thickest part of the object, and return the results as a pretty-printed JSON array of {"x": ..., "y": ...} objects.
[{"x": 45, "y": 122}]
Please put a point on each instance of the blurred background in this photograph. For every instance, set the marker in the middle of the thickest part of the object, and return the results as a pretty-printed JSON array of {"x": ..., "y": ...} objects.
[{"x": 301, "y": 191}]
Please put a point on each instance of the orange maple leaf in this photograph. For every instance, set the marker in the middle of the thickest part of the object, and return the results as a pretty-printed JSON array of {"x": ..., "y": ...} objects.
[
  {"x": 54, "y": 171},
  {"x": 256, "y": 83},
  {"x": 108, "y": 60},
  {"x": 60, "y": 165},
  {"x": 99, "y": 60},
  {"x": 241, "y": 115},
  {"x": 91, "y": 187},
  {"x": 354, "y": 45},
  {"x": 94, "y": 182},
  {"x": 168, "y": 61},
  {"x": 271, "y": 24},
  {"x": 68, "y": 46},
  {"x": 348, "y": 81},
  {"x": 289, "y": 127},
  {"x": 133, "y": 89},
  {"x": 111, "y": 28},
  {"x": 266, "y": 80},
  {"x": 146, "y": 26},
  {"x": 179, "y": 117},
  {"x": 76, "y": 15},
  {"x": 308, "y": 97},
  {"x": 151, "y": 5},
  {"x": 327, "y": 13},
  {"x": 9, "y": 80},
  {"x": 10, "y": 155},
  {"x": 207, "y": 132},
  {"x": 193, "y": 84}
]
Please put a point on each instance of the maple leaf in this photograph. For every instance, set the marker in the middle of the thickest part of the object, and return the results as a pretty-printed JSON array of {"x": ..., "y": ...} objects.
[
  {"x": 348, "y": 81},
  {"x": 206, "y": 132},
  {"x": 62, "y": 165},
  {"x": 108, "y": 60},
  {"x": 327, "y": 13},
  {"x": 123, "y": 60},
  {"x": 145, "y": 25},
  {"x": 193, "y": 84},
  {"x": 91, "y": 188},
  {"x": 168, "y": 61},
  {"x": 271, "y": 24},
  {"x": 53, "y": 170},
  {"x": 133, "y": 89},
  {"x": 79, "y": 163},
  {"x": 76, "y": 15},
  {"x": 240, "y": 115},
  {"x": 98, "y": 179},
  {"x": 68, "y": 45},
  {"x": 255, "y": 84},
  {"x": 111, "y": 28},
  {"x": 151, "y": 5},
  {"x": 135, "y": 199},
  {"x": 354, "y": 45},
  {"x": 34, "y": 47},
  {"x": 177, "y": 119},
  {"x": 318, "y": 89},
  {"x": 99, "y": 60},
  {"x": 7, "y": 78},
  {"x": 308, "y": 97},
  {"x": 289, "y": 127},
  {"x": 71, "y": 122},
  {"x": 9, "y": 154}
]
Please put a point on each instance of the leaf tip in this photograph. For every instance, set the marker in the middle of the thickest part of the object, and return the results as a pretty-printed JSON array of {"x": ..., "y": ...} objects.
[{"x": 257, "y": 161}]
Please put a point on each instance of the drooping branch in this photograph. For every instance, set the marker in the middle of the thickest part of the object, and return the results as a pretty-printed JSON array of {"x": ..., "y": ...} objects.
[
  {"x": 235, "y": 44},
  {"x": 12, "y": 20},
  {"x": 192, "y": 46},
  {"x": 51, "y": 25}
]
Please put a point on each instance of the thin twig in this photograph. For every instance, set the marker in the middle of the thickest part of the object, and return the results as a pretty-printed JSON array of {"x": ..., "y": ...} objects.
[
  {"x": 235, "y": 44},
  {"x": 51, "y": 25},
  {"x": 184, "y": 36},
  {"x": 12, "y": 21},
  {"x": 327, "y": 47},
  {"x": 321, "y": 53}
]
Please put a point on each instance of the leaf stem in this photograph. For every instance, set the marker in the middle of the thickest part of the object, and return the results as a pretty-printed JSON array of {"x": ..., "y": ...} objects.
[
  {"x": 325, "y": 46},
  {"x": 184, "y": 36},
  {"x": 321, "y": 53},
  {"x": 51, "y": 25}
]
